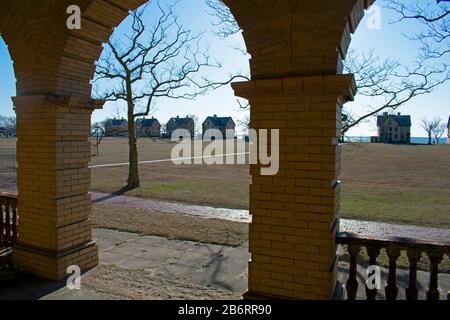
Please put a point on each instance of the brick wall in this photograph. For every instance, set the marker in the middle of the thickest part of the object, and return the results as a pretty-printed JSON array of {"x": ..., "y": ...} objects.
[{"x": 292, "y": 236}]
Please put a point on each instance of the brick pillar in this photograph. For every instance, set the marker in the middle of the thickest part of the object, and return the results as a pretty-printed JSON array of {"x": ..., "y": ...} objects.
[
  {"x": 53, "y": 152},
  {"x": 295, "y": 213}
]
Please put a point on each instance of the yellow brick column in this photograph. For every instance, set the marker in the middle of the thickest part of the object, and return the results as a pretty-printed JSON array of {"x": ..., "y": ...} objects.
[
  {"x": 295, "y": 213},
  {"x": 53, "y": 152}
]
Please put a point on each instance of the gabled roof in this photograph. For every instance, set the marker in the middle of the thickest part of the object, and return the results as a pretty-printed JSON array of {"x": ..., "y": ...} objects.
[
  {"x": 118, "y": 122},
  {"x": 403, "y": 121},
  {"x": 181, "y": 122},
  {"x": 147, "y": 122},
  {"x": 219, "y": 121}
]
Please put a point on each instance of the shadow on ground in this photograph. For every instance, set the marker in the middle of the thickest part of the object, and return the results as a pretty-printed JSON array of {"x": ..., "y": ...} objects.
[{"x": 18, "y": 286}]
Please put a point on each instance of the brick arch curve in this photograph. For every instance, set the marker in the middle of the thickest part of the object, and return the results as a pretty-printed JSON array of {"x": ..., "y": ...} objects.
[
  {"x": 297, "y": 38},
  {"x": 9, "y": 29},
  {"x": 84, "y": 47}
]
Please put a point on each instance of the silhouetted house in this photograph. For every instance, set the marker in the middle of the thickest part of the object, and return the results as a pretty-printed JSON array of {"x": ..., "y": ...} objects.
[
  {"x": 116, "y": 128},
  {"x": 7, "y": 132},
  {"x": 150, "y": 128},
  {"x": 180, "y": 123},
  {"x": 225, "y": 125},
  {"x": 394, "y": 128}
]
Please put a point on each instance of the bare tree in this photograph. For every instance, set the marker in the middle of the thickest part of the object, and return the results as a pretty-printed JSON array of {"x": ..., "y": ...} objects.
[
  {"x": 8, "y": 124},
  {"x": 429, "y": 127},
  {"x": 439, "y": 129},
  {"x": 244, "y": 123},
  {"x": 389, "y": 84},
  {"x": 154, "y": 62},
  {"x": 224, "y": 20},
  {"x": 197, "y": 124}
]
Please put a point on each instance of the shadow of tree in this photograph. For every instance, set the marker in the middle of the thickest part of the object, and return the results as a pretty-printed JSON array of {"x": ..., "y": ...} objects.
[{"x": 122, "y": 191}]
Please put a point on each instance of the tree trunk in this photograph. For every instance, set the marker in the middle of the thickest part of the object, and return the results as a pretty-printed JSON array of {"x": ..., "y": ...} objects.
[
  {"x": 429, "y": 139},
  {"x": 133, "y": 169}
]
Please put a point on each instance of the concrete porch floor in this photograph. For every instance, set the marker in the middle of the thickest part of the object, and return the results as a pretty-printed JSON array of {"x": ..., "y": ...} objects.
[
  {"x": 194, "y": 267},
  {"x": 143, "y": 267}
]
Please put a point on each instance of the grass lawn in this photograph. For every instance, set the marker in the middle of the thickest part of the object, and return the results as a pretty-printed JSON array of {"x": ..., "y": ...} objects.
[
  {"x": 391, "y": 183},
  {"x": 400, "y": 184}
]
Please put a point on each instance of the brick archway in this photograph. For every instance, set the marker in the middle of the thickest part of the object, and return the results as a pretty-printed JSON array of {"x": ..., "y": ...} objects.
[{"x": 297, "y": 47}]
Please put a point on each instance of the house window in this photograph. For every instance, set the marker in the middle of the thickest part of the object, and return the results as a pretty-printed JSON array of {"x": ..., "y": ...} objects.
[{"x": 396, "y": 129}]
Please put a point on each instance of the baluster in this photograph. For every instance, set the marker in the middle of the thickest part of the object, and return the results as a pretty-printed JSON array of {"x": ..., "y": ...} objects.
[
  {"x": 8, "y": 222},
  {"x": 373, "y": 253},
  {"x": 352, "y": 283},
  {"x": 15, "y": 224},
  {"x": 435, "y": 260},
  {"x": 391, "y": 289},
  {"x": 412, "y": 293},
  {"x": 2, "y": 225}
]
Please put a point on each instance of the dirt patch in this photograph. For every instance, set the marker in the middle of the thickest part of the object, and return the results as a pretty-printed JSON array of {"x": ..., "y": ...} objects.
[
  {"x": 131, "y": 284},
  {"x": 170, "y": 226}
]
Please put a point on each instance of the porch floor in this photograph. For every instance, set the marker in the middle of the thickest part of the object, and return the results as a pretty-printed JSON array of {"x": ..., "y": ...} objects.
[{"x": 142, "y": 267}]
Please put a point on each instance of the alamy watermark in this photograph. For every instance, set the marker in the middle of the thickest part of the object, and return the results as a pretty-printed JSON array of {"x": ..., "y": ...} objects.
[
  {"x": 373, "y": 278},
  {"x": 74, "y": 280},
  {"x": 223, "y": 149},
  {"x": 374, "y": 18},
  {"x": 74, "y": 19}
]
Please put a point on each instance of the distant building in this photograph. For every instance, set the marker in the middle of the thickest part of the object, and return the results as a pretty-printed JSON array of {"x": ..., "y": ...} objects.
[
  {"x": 116, "y": 128},
  {"x": 150, "y": 128},
  {"x": 6, "y": 132},
  {"x": 225, "y": 125},
  {"x": 394, "y": 128},
  {"x": 180, "y": 123}
]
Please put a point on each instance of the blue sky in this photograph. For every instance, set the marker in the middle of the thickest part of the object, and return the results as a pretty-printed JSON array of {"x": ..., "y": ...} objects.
[{"x": 388, "y": 41}]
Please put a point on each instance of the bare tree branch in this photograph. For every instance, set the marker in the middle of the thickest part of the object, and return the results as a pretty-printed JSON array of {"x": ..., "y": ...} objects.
[
  {"x": 434, "y": 18},
  {"x": 388, "y": 80}
]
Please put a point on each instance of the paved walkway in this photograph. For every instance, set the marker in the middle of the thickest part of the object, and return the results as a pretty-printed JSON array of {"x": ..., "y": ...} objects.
[
  {"x": 394, "y": 232},
  {"x": 172, "y": 207},
  {"x": 360, "y": 229},
  {"x": 356, "y": 228}
]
